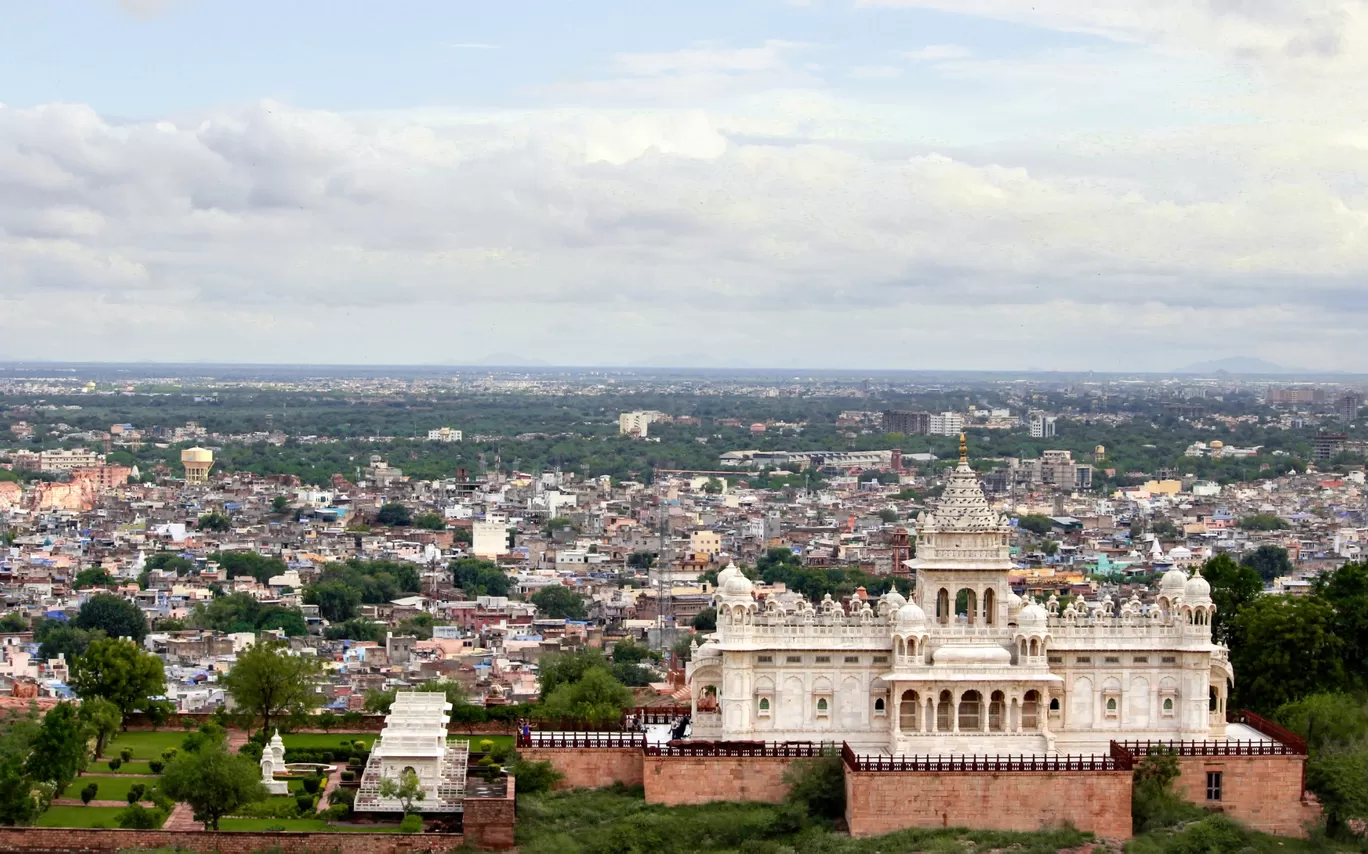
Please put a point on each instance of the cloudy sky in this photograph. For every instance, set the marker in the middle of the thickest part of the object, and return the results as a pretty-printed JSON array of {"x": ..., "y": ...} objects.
[{"x": 1055, "y": 184}]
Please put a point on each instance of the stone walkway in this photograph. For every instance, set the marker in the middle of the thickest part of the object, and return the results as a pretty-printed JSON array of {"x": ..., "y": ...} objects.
[
  {"x": 182, "y": 818},
  {"x": 334, "y": 779}
]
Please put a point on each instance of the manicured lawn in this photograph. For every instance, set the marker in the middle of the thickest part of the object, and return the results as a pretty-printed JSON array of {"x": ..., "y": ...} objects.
[
  {"x": 79, "y": 817},
  {"x": 111, "y": 788},
  {"x": 263, "y": 823},
  {"x": 145, "y": 745},
  {"x": 326, "y": 740},
  {"x": 101, "y": 766},
  {"x": 499, "y": 740},
  {"x": 313, "y": 824}
]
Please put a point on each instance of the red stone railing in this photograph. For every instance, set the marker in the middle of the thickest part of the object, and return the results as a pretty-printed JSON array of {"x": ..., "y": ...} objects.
[
  {"x": 537, "y": 738},
  {"x": 792, "y": 749},
  {"x": 1275, "y": 731},
  {"x": 1211, "y": 747},
  {"x": 880, "y": 763}
]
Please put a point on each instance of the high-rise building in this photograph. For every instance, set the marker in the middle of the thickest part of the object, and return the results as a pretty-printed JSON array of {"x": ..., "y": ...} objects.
[
  {"x": 907, "y": 423},
  {"x": 1347, "y": 406},
  {"x": 945, "y": 424},
  {"x": 1042, "y": 425},
  {"x": 635, "y": 424},
  {"x": 444, "y": 434}
]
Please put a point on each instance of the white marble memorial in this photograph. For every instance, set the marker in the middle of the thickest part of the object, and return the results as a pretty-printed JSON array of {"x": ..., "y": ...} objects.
[{"x": 995, "y": 675}]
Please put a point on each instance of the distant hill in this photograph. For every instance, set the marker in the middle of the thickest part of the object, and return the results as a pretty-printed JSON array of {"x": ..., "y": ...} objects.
[{"x": 1238, "y": 365}]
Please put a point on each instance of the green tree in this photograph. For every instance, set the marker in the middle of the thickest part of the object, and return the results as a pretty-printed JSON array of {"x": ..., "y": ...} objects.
[
  {"x": 58, "y": 751},
  {"x": 1263, "y": 522},
  {"x": 818, "y": 786},
  {"x": 336, "y": 600},
  {"x": 1346, "y": 590},
  {"x": 93, "y": 576},
  {"x": 1325, "y": 720},
  {"x": 268, "y": 682},
  {"x": 17, "y": 733},
  {"x": 57, "y": 638},
  {"x": 887, "y": 516},
  {"x": 120, "y": 672},
  {"x": 394, "y": 516},
  {"x": 558, "y": 602},
  {"x": 14, "y": 621},
  {"x": 1288, "y": 650},
  {"x": 1233, "y": 587},
  {"x": 102, "y": 719},
  {"x": 280, "y": 504},
  {"x": 597, "y": 699},
  {"x": 1269, "y": 561},
  {"x": 479, "y": 578},
  {"x": 641, "y": 560},
  {"x": 705, "y": 620},
  {"x": 1338, "y": 776},
  {"x": 113, "y": 615},
  {"x": 213, "y": 782},
  {"x": 429, "y": 522},
  {"x": 1035, "y": 523},
  {"x": 215, "y": 521},
  {"x": 407, "y": 789}
]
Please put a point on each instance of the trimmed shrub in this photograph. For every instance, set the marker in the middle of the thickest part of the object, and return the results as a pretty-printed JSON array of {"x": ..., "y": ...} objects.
[
  {"x": 170, "y": 753},
  {"x": 135, "y": 792},
  {"x": 89, "y": 792},
  {"x": 534, "y": 777},
  {"x": 345, "y": 797},
  {"x": 156, "y": 765},
  {"x": 327, "y": 756},
  {"x": 274, "y": 807},
  {"x": 115, "y": 763},
  {"x": 274, "y": 828},
  {"x": 337, "y": 812},
  {"x": 411, "y": 824},
  {"x": 486, "y": 745},
  {"x": 311, "y": 784},
  {"x": 305, "y": 803},
  {"x": 348, "y": 776},
  {"x": 360, "y": 746},
  {"x": 134, "y": 817},
  {"x": 126, "y": 754},
  {"x": 251, "y": 750}
]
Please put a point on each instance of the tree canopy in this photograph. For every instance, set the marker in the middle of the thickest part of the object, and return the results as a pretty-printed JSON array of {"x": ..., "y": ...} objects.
[
  {"x": 558, "y": 602},
  {"x": 120, "y": 672},
  {"x": 596, "y": 698},
  {"x": 394, "y": 515},
  {"x": 113, "y": 615},
  {"x": 1287, "y": 650},
  {"x": 1269, "y": 561},
  {"x": 268, "y": 682},
  {"x": 213, "y": 782},
  {"x": 241, "y": 612},
  {"x": 479, "y": 578}
]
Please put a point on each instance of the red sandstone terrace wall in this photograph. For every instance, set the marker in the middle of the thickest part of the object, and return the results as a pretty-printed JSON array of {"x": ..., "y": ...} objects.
[
  {"x": 590, "y": 767},
  {"x": 1262, "y": 792},
  {"x": 677, "y": 780},
  {"x": 1095, "y": 801},
  {"x": 50, "y": 840}
]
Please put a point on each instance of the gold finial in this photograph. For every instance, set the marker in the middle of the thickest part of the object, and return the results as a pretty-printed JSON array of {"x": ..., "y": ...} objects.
[{"x": 964, "y": 448}]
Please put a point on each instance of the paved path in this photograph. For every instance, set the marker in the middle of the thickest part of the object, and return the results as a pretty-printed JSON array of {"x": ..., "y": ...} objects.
[
  {"x": 182, "y": 818},
  {"x": 334, "y": 779}
]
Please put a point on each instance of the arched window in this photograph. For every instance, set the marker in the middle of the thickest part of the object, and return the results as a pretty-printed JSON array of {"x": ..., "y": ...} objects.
[
  {"x": 821, "y": 707},
  {"x": 966, "y": 605},
  {"x": 989, "y": 607},
  {"x": 943, "y": 606},
  {"x": 1054, "y": 704},
  {"x": 879, "y": 707},
  {"x": 907, "y": 711},
  {"x": 997, "y": 712},
  {"x": 1111, "y": 705},
  {"x": 1168, "y": 705},
  {"x": 1030, "y": 711},
  {"x": 764, "y": 706},
  {"x": 1211, "y": 698},
  {"x": 970, "y": 715},
  {"x": 1035, "y": 647},
  {"x": 943, "y": 707}
]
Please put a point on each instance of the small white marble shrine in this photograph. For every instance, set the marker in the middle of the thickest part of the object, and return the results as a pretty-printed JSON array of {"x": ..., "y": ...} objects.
[
  {"x": 415, "y": 739},
  {"x": 273, "y": 763}
]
